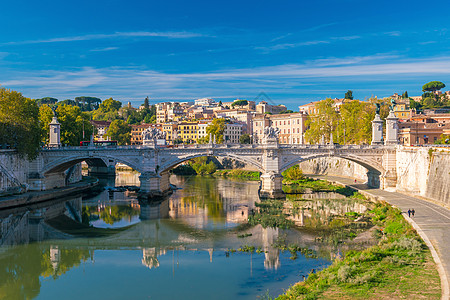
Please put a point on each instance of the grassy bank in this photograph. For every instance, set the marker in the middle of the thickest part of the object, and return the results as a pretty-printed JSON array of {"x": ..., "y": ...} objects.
[
  {"x": 236, "y": 173},
  {"x": 400, "y": 266}
]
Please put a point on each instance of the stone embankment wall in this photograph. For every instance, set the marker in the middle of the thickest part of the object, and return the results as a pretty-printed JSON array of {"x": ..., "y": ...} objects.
[
  {"x": 334, "y": 166},
  {"x": 13, "y": 171},
  {"x": 424, "y": 172}
]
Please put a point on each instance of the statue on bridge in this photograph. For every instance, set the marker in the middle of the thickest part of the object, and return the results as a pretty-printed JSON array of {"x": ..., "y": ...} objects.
[
  {"x": 152, "y": 136},
  {"x": 393, "y": 104},
  {"x": 153, "y": 133},
  {"x": 271, "y": 132}
]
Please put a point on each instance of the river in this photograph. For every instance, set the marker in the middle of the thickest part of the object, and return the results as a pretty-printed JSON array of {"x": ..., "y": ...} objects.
[{"x": 110, "y": 245}]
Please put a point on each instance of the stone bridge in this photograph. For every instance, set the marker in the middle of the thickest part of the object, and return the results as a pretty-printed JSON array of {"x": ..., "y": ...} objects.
[{"x": 154, "y": 162}]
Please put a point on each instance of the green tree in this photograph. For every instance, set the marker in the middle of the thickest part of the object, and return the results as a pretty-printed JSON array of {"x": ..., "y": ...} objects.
[
  {"x": 405, "y": 95},
  {"x": 75, "y": 124},
  {"x": 107, "y": 111},
  {"x": 19, "y": 123},
  {"x": 293, "y": 173},
  {"x": 355, "y": 123},
  {"x": 146, "y": 103},
  {"x": 239, "y": 103},
  {"x": 67, "y": 102},
  {"x": 88, "y": 103},
  {"x": 110, "y": 105},
  {"x": 287, "y": 111},
  {"x": 349, "y": 95},
  {"x": 322, "y": 123},
  {"x": 245, "y": 139},
  {"x": 120, "y": 131},
  {"x": 216, "y": 128},
  {"x": 414, "y": 105},
  {"x": 433, "y": 86},
  {"x": 46, "y": 100}
]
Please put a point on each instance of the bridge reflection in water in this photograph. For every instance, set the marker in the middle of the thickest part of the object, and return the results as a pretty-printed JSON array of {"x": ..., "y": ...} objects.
[{"x": 206, "y": 216}]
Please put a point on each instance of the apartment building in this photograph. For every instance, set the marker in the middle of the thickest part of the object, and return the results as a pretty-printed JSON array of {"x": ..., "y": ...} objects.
[
  {"x": 232, "y": 133},
  {"x": 188, "y": 131},
  {"x": 292, "y": 127},
  {"x": 263, "y": 107},
  {"x": 420, "y": 133},
  {"x": 101, "y": 128},
  {"x": 251, "y": 105},
  {"x": 169, "y": 111},
  {"x": 171, "y": 130}
]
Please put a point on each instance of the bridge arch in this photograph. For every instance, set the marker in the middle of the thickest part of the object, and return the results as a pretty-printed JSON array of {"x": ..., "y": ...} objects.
[
  {"x": 369, "y": 165},
  {"x": 170, "y": 164},
  {"x": 374, "y": 169},
  {"x": 64, "y": 163}
]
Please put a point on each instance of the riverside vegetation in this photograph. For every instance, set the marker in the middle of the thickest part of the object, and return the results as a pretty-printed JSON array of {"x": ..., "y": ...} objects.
[
  {"x": 399, "y": 266},
  {"x": 396, "y": 265}
]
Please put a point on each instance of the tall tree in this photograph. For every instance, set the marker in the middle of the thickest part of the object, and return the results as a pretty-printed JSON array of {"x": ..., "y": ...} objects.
[
  {"x": 216, "y": 128},
  {"x": 322, "y": 123},
  {"x": 349, "y": 95},
  {"x": 107, "y": 111},
  {"x": 146, "y": 104},
  {"x": 433, "y": 86},
  {"x": 120, "y": 131},
  {"x": 19, "y": 123},
  {"x": 46, "y": 100},
  {"x": 245, "y": 139},
  {"x": 405, "y": 95}
]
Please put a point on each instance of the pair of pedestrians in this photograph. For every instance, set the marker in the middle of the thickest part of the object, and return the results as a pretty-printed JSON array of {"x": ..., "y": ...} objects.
[{"x": 411, "y": 212}]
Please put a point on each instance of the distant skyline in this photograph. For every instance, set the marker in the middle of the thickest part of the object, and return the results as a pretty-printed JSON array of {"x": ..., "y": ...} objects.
[{"x": 295, "y": 51}]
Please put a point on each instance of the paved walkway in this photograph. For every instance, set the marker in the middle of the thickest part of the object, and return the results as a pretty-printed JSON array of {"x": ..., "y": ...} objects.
[{"x": 431, "y": 221}]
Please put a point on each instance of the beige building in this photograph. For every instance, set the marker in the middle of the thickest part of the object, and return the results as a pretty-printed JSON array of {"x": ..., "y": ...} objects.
[
  {"x": 292, "y": 127},
  {"x": 420, "y": 133},
  {"x": 169, "y": 111},
  {"x": 232, "y": 133},
  {"x": 263, "y": 107}
]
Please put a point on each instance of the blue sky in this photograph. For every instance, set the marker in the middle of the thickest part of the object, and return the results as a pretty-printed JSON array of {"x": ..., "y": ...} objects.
[{"x": 295, "y": 51}]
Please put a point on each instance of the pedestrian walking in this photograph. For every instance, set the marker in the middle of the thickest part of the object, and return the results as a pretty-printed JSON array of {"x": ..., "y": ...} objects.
[
  {"x": 413, "y": 212},
  {"x": 409, "y": 213}
]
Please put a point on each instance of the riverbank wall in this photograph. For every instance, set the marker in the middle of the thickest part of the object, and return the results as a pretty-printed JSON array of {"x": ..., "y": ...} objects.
[
  {"x": 13, "y": 172},
  {"x": 421, "y": 171},
  {"x": 424, "y": 172}
]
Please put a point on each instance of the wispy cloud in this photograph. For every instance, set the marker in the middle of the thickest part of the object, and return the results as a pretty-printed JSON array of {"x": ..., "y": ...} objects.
[
  {"x": 279, "y": 79},
  {"x": 90, "y": 37},
  {"x": 104, "y": 49},
  {"x": 314, "y": 28},
  {"x": 393, "y": 33},
  {"x": 268, "y": 49},
  {"x": 284, "y": 46}
]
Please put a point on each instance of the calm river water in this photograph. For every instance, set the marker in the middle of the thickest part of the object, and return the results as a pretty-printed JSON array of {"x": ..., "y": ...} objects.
[{"x": 112, "y": 246}]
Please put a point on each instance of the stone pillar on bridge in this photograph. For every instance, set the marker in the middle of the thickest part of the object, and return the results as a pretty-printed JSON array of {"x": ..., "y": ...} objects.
[
  {"x": 391, "y": 129},
  {"x": 55, "y": 133},
  {"x": 271, "y": 178},
  {"x": 377, "y": 130}
]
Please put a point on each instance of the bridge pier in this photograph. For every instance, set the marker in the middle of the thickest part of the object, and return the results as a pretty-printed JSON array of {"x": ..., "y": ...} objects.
[
  {"x": 373, "y": 179},
  {"x": 102, "y": 171},
  {"x": 271, "y": 186},
  {"x": 154, "y": 184}
]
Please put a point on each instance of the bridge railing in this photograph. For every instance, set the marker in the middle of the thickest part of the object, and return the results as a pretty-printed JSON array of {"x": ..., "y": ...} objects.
[{"x": 223, "y": 146}]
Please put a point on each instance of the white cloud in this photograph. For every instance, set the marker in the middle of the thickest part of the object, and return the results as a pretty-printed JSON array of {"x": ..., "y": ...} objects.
[
  {"x": 89, "y": 37},
  {"x": 104, "y": 49}
]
